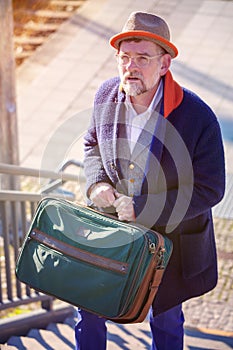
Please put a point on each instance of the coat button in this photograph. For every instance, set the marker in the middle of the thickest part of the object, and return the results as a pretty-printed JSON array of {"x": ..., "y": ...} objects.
[
  {"x": 131, "y": 166},
  {"x": 132, "y": 180}
]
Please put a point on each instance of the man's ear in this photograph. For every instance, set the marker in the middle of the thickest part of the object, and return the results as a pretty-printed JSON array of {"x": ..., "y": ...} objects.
[{"x": 165, "y": 64}]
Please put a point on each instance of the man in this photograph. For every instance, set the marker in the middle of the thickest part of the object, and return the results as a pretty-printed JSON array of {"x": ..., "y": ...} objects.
[{"x": 153, "y": 154}]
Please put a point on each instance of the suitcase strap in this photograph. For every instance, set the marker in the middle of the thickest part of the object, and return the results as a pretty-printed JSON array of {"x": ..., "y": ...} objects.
[
  {"x": 154, "y": 285},
  {"x": 77, "y": 253}
]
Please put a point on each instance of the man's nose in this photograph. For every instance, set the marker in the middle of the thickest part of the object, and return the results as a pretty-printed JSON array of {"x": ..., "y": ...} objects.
[{"x": 132, "y": 64}]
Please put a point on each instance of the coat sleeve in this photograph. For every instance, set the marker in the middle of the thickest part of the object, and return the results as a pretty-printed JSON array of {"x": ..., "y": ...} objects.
[
  {"x": 94, "y": 167},
  {"x": 93, "y": 164}
]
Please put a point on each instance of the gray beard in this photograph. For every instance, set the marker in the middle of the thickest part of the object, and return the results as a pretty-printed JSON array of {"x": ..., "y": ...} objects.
[{"x": 134, "y": 89}]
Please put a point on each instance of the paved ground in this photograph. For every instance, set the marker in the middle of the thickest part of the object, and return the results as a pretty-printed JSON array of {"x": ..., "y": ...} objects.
[{"x": 55, "y": 90}]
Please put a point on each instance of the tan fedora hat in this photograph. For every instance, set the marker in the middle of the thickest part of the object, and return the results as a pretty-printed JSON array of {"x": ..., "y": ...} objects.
[{"x": 146, "y": 26}]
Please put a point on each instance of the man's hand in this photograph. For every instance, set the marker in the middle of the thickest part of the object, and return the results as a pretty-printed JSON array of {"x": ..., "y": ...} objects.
[
  {"x": 124, "y": 207},
  {"x": 102, "y": 194}
]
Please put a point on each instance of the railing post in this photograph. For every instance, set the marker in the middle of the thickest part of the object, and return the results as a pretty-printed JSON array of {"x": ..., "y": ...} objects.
[
  {"x": 47, "y": 304},
  {"x": 8, "y": 119}
]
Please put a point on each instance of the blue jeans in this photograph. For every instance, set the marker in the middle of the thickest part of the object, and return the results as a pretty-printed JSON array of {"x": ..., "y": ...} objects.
[{"x": 166, "y": 329}]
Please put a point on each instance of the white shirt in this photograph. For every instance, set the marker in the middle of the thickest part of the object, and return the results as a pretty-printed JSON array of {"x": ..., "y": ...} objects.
[{"x": 136, "y": 122}]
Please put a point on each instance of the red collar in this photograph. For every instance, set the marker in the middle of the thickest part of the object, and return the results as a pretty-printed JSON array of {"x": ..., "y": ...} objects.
[{"x": 173, "y": 94}]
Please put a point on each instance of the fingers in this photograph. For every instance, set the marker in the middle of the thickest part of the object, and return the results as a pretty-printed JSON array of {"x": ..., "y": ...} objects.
[
  {"x": 124, "y": 207},
  {"x": 102, "y": 195},
  {"x": 122, "y": 202}
]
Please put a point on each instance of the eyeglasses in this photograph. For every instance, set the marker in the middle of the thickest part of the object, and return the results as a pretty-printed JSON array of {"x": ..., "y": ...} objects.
[{"x": 141, "y": 61}]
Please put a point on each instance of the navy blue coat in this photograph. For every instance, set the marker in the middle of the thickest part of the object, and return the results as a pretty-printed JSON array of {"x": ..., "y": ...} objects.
[{"x": 184, "y": 178}]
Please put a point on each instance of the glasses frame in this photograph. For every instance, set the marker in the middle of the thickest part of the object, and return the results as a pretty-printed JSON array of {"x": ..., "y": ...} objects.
[{"x": 130, "y": 58}]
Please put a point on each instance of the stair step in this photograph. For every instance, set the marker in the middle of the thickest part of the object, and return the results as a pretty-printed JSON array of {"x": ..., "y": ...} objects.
[
  {"x": 22, "y": 343},
  {"x": 129, "y": 336},
  {"x": 53, "y": 14},
  {"x": 75, "y": 3},
  {"x": 64, "y": 332},
  {"x": 27, "y": 40},
  {"x": 50, "y": 340}
]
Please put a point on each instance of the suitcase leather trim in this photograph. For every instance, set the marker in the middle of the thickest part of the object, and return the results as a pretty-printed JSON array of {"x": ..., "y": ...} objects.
[
  {"x": 139, "y": 309},
  {"x": 77, "y": 253}
]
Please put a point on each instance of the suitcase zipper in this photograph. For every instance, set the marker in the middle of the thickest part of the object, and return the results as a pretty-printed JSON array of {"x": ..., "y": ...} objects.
[
  {"x": 77, "y": 253},
  {"x": 159, "y": 252}
]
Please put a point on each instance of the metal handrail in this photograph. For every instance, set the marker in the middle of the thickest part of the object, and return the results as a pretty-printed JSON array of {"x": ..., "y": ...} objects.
[
  {"x": 10, "y": 169},
  {"x": 16, "y": 196}
]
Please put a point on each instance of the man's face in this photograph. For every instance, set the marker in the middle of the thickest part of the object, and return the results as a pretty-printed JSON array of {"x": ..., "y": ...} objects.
[{"x": 137, "y": 79}]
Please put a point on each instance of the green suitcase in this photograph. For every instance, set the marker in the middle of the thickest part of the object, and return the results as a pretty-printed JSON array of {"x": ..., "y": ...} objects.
[{"x": 93, "y": 261}]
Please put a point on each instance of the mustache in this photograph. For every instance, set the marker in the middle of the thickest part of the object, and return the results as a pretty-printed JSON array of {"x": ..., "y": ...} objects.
[{"x": 133, "y": 75}]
